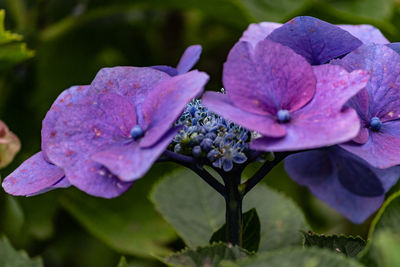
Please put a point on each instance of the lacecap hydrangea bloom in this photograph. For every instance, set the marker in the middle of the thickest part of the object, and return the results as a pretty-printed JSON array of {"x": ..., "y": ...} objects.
[
  {"x": 263, "y": 85},
  {"x": 355, "y": 181},
  {"x": 102, "y": 137},
  {"x": 276, "y": 92}
]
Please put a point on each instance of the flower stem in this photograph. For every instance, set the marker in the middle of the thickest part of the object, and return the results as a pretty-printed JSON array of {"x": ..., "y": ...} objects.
[
  {"x": 263, "y": 171},
  {"x": 233, "y": 213}
]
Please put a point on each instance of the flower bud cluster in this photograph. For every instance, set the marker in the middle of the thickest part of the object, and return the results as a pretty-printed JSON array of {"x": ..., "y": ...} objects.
[{"x": 207, "y": 135}]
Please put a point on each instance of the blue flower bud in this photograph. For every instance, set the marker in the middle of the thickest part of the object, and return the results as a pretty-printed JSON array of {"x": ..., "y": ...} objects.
[
  {"x": 206, "y": 144},
  {"x": 196, "y": 151}
]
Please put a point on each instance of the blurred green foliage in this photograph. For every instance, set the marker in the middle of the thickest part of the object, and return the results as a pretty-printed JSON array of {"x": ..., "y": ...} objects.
[{"x": 72, "y": 40}]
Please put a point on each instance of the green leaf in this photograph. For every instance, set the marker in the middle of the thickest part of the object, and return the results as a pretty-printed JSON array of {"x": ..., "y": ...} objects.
[
  {"x": 362, "y": 9},
  {"x": 129, "y": 223},
  {"x": 385, "y": 224},
  {"x": 11, "y": 50},
  {"x": 122, "y": 262},
  {"x": 205, "y": 256},
  {"x": 251, "y": 231},
  {"x": 9, "y": 257},
  {"x": 271, "y": 10},
  {"x": 385, "y": 249},
  {"x": 196, "y": 211},
  {"x": 299, "y": 257},
  {"x": 348, "y": 245}
]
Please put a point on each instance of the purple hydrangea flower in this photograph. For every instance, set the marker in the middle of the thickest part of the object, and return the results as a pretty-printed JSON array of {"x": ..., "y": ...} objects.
[
  {"x": 104, "y": 136},
  {"x": 378, "y": 105},
  {"x": 274, "y": 91},
  {"x": 314, "y": 39},
  {"x": 344, "y": 181}
]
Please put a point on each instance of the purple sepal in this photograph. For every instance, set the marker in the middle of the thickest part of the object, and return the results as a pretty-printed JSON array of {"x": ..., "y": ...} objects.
[
  {"x": 258, "y": 31},
  {"x": 367, "y": 34},
  {"x": 380, "y": 100},
  {"x": 171, "y": 71},
  {"x": 33, "y": 176},
  {"x": 66, "y": 99},
  {"x": 394, "y": 46},
  {"x": 189, "y": 59},
  {"x": 166, "y": 102},
  {"x": 186, "y": 63},
  {"x": 323, "y": 121},
  {"x": 343, "y": 181},
  {"x": 130, "y": 161},
  {"x": 382, "y": 148},
  {"x": 269, "y": 78},
  {"x": 220, "y": 104},
  {"x": 314, "y": 39}
]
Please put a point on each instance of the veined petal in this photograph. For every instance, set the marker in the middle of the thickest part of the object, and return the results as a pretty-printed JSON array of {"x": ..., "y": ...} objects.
[
  {"x": 130, "y": 161},
  {"x": 367, "y": 34},
  {"x": 32, "y": 176},
  {"x": 90, "y": 126},
  {"x": 314, "y": 39},
  {"x": 189, "y": 59},
  {"x": 258, "y": 31},
  {"x": 382, "y": 148},
  {"x": 323, "y": 121},
  {"x": 270, "y": 79},
  {"x": 167, "y": 101},
  {"x": 220, "y": 104},
  {"x": 383, "y": 87}
]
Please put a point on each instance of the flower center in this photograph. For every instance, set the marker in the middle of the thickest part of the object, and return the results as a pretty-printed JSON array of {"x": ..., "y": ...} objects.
[
  {"x": 375, "y": 124},
  {"x": 283, "y": 115},
  {"x": 137, "y": 132}
]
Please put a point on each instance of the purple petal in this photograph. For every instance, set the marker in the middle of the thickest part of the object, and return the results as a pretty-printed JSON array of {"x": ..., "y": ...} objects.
[
  {"x": 220, "y": 104},
  {"x": 362, "y": 136},
  {"x": 167, "y": 101},
  {"x": 382, "y": 148},
  {"x": 368, "y": 34},
  {"x": 319, "y": 171},
  {"x": 394, "y": 46},
  {"x": 89, "y": 126},
  {"x": 314, "y": 39},
  {"x": 32, "y": 176},
  {"x": 95, "y": 179},
  {"x": 258, "y": 31},
  {"x": 322, "y": 122},
  {"x": 66, "y": 99},
  {"x": 383, "y": 88},
  {"x": 272, "y": 78},
  {"x": 189, "y": 59},
  {"x": 130, "y": 161},
  {"x": 62, "y": 183},
  {"x": 132, "y": 82},
  {"x": 171, "y": 71}
]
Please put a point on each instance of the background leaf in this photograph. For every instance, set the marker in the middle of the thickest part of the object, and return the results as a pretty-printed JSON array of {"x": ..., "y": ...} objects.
[
  {"x": 128, "y": 224},
  {"x": 211, "y": 255},
  {"x": 298, "y": 257},
  {"x": 270, "y": 10},
  {"x": 9, "y": 257},
  {"x": 196, "y": 211},
  {"x": 348, "y": 245}
]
